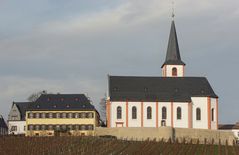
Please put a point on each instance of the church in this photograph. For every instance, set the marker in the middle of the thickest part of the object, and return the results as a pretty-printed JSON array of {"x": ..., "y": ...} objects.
[{"x": 173, "y": 100}]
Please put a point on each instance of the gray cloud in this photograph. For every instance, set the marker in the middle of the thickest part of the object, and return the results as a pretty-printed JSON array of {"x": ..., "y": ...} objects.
[{"x": 75, "y": 52}]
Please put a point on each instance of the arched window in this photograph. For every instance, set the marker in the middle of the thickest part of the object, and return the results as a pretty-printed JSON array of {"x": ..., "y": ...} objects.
[
  {"x": 198, "y": 114},
  {"x": 174, "y": 71},
  {"x": 149, "y": 113},
  {"x": 164, "y": 113},
  {"x": 212, "y": 114},
  {"x": 134, "y": 112},
  {"x": 179, "y": 113},
  {"x": 119, "y": 112}
]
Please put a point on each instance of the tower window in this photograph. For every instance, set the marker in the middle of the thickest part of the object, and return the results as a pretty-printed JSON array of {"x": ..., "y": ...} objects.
[{"x": 174, "y": 71}]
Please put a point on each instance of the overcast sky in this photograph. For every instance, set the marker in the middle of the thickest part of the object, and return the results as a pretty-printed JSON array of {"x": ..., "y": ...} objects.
[{"x": 69, "y": 46}]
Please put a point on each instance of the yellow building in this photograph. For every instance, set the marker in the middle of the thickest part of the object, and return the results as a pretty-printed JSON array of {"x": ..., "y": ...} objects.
[{"x": 61, "y": 114}]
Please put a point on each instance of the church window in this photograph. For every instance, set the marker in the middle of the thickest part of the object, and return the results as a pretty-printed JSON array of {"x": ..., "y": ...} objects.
[
  {"x": 212, "y": 114},
  {"x": 164, "y": 113},
  {"x": 149, "y": 113},
  {"x": 198, "y": 114},
  {"x": 134, "y": 112},
  {"x": 119, "y": 112},
  {"x": 174, "y": 71},
  {"x": 179, "y": 113}
]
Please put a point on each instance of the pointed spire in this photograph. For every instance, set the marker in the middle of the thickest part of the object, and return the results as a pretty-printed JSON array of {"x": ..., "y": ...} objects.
[{"x": 173, "y": 53}]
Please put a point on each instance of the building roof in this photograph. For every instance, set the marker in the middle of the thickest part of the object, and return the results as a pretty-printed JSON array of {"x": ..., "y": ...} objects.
[
  {"x": 228, "y": 126},
  {"x": 22, "y": 106},
  {"x": 173, "y": 54},
  {"x": 50, "y": 102},
  {"x": 165, "y": 89},
  {"x": 2, "y": 122}
]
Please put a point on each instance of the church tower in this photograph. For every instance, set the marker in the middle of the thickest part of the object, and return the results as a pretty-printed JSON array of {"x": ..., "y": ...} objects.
[{"x": 173, "y": 65}]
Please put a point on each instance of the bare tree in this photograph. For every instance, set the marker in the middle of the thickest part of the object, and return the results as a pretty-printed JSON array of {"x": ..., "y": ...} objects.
[
  {"x": 103, "y": 108},
  {"x": 34, "y": 96}
]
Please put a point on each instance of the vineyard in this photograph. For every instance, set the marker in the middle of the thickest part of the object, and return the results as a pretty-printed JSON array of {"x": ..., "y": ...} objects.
[{"x": 104, "y": 146}]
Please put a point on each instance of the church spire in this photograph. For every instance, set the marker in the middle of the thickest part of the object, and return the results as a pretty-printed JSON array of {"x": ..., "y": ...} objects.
[
  {"x": 173, "y": 65},
  {"x": 173, "y": 54}
]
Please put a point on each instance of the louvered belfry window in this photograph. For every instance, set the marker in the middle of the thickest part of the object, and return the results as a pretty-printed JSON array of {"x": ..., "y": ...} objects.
[{"x": 174, "y": 72}]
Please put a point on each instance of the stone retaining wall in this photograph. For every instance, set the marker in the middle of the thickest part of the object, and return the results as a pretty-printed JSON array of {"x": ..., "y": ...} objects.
[{"x": 181, "y": 134}]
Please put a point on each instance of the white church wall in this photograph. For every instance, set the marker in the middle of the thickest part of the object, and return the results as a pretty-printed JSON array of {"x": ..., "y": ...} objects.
[
  {"x": 200, "y": 102},
  {"x": 180, "y": 70},
  {"x": 168, "y": 106},
  {"x": 134, "y": 122},
  {"x": 183, "y": 122},
  {"x": 149, "y": 122},
  {"x": 113, "y": 113},
  {"x": 213, "y": 106}
]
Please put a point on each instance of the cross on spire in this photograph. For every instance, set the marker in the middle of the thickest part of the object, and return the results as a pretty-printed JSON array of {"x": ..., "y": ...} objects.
[{"x": 173, "y": 10}]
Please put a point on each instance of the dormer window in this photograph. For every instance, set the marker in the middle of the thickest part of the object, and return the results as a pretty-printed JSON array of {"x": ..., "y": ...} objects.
[
  {"x": 146, "y": 89},
  {"x": 174, "y": 72},
  {"x": 115, "y": 89}
]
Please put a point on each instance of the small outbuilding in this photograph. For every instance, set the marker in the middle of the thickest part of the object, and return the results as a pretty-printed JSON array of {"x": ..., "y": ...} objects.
[{"x": 232, "y": 127}]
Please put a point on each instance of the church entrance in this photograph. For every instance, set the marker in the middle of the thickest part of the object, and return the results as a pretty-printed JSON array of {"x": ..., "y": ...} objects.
[{"x": 163, "y": 123}]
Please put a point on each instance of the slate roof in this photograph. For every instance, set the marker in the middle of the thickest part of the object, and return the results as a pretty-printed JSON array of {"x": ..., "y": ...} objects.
[
  {"x": 2, "y": 123},
  {"x": 173, "y": 54},
  {"x": 64, "y": 102},
  {"x": 22, "y": 106},
  {"x": 164, "y": 89},
  {"x": 228, "y": 126}
]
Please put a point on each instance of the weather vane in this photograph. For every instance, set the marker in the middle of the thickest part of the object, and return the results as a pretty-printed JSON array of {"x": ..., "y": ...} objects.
[{"x": 173, "y": 10}]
